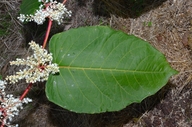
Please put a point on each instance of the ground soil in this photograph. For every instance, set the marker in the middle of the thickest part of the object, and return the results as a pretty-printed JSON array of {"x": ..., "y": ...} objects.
[{"x": 165, "y": 24}]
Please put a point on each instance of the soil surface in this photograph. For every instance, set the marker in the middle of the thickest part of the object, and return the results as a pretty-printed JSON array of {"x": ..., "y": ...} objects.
[{"x": 165, "y": 24}]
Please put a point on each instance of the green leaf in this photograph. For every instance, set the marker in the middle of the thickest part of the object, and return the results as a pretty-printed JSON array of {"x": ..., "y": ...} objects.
[
  {"x": 29, "y": 6},
  {"x": 104, "y": 70}
]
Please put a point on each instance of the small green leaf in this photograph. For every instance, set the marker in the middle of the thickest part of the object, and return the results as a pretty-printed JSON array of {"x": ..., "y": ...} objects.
[
  {"x": 104, "y": 70},
  {"x": 29, "y": 6}
]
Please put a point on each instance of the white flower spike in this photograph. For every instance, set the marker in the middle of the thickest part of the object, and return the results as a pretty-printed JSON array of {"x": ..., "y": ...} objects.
[
  {"x": 52, "y": 9},
  {"x": 38, "y": 66}
]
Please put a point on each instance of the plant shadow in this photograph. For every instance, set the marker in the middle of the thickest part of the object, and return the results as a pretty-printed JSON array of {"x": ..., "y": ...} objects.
[
  {"x": 125, "y": 8},
  {"x": 64, "y": 118}
]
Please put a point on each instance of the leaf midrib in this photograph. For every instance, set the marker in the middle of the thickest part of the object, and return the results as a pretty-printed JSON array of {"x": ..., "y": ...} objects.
[{"x": 108, "y": 69}]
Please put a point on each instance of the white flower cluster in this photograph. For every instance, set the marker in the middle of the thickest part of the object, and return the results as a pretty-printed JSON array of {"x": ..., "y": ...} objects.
[
  {"x": 38, "y": 66},
  {"x": 9, "y": 105},
  {"x": 52, "y": 9}
]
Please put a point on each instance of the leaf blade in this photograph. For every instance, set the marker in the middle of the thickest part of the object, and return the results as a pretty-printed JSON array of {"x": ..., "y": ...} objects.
[
  {"x": 107, "y": 72},
  {"x": 29, "y": 6}
]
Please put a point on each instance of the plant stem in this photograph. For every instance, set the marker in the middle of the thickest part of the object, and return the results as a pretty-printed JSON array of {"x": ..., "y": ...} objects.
[
  {"x": 64, "y": 1},
  {"x": 44, "y": 45},
  {"x": 47, "y": 33},
  {"x": 26, "y": 91}
]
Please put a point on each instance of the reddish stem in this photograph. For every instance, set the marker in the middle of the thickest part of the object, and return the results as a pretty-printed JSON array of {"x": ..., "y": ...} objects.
[
  {"x": 64, "y": 1},
  {"x": 4, "y": 115},
  {"x": 47, "y": 33},
  {"x": 44, "y": 45},
  {"x": 26, "y": 91}
]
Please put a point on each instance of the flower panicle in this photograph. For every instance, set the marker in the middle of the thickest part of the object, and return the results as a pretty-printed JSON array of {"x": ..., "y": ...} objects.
[
  {"x": 38, "y": 66},
  {"x": 49, "y": 8},
  {"x": 9, "y": 105}
]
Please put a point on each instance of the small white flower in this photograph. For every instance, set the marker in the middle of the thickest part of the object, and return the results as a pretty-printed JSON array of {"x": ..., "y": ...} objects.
[
  {"x": 40, "y": 16},
  {"x": 2, "y": 85},
  {"x": 38, "y": 66},
  {"x": 22, "y": 17}
]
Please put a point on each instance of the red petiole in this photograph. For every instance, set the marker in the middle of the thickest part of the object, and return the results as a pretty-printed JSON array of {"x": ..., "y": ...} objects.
[{"x": 26, "y": 91}]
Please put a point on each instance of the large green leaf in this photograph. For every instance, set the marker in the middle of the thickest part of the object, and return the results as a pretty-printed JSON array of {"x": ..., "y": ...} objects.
[
  {"x": 29, "y": 6},
  {"x": 104, "y": 70}
]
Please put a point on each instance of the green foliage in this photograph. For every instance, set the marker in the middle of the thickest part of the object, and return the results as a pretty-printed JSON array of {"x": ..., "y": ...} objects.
[
  {"x": 4, "y": 24},
  {"x": 149, "y": 24},
  {"x": 104, "y": 70},
  {"x": 29, "y": 6}
]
